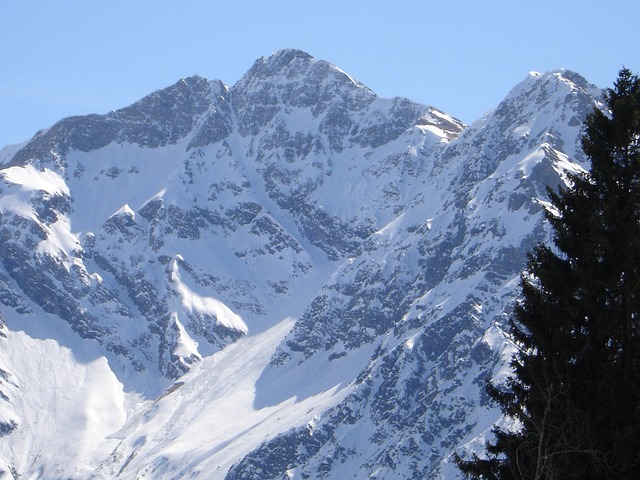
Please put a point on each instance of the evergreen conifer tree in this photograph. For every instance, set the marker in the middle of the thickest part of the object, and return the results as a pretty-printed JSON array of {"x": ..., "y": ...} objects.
[{"x": 574, "y": 395}]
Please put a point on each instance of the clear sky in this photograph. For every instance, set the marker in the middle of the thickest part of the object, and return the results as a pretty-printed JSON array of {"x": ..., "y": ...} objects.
[{"x": 72, "y": 57}]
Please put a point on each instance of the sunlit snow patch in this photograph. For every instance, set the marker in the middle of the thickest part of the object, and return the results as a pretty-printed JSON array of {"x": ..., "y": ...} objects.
[
  {"x": 32, "y": 179},
  {"x": 206, "y": 305}
]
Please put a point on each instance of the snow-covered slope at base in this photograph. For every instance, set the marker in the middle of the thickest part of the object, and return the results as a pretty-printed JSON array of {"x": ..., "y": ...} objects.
[
  {"x": 214, "y": 415},
  {"x": 288, "y": 278},
  {"x": 61, "y": 398}
]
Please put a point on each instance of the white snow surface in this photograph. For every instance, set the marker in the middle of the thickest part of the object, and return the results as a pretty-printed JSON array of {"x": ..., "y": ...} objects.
[
  {"x": 215, "y": 415},
  {"x": 64, "y": 397},
  {"x": 208, "y": 305},
  {"x": 31, "y": 179}
]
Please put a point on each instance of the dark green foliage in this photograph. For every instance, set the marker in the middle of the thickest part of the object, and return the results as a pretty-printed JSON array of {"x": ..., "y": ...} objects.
[{"x": 575, "y": 390}]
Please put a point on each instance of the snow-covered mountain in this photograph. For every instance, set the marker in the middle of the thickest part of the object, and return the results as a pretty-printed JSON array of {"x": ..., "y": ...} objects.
[{"x": 287, "y": 278}]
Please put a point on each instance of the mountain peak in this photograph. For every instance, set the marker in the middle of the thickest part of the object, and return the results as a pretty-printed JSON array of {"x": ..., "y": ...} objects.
[
  {"x": 287, "y": 63},
  {"x": 292, "y": 64},
  {"x": 287, "y": 57},
  {"x": 554, "y": 80}
]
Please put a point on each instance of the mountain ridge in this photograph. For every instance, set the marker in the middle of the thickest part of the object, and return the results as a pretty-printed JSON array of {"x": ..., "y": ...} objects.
[{"x": 372, "y": 244}]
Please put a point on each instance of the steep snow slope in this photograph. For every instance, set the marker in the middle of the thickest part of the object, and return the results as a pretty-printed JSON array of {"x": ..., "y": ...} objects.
[
  {"x": 288, "y": 278},
  {"x": 59, "y": 400}
]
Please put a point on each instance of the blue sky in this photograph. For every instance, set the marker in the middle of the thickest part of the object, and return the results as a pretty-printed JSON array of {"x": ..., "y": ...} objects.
[{"x": 72, "y": 57}]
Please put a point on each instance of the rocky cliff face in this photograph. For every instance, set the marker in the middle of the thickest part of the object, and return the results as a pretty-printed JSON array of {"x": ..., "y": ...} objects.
[{"x": 331, "y": 269}]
